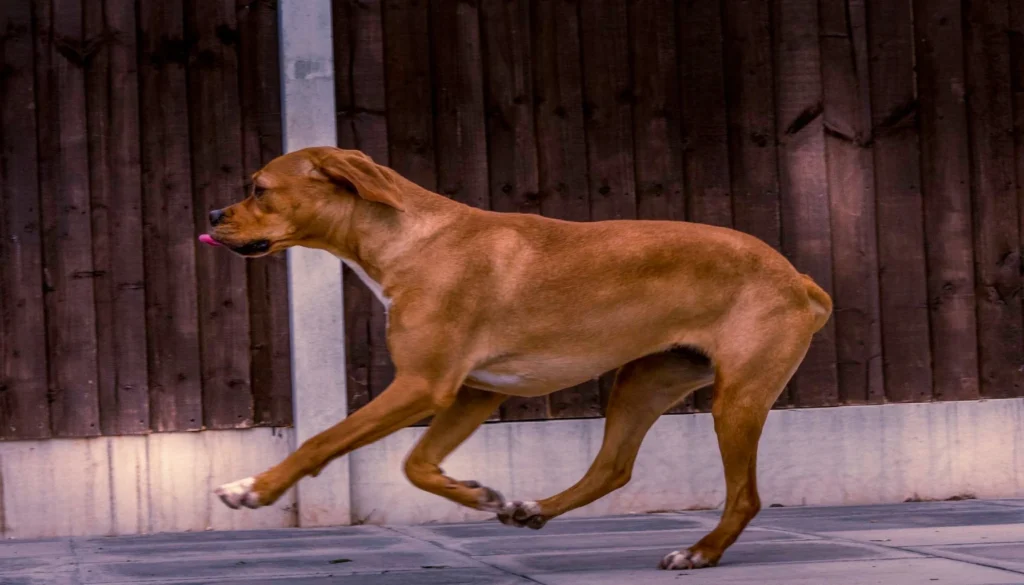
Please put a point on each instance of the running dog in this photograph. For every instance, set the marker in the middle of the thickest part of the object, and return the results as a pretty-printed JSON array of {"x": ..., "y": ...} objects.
[{"x": 485, "y": 305}]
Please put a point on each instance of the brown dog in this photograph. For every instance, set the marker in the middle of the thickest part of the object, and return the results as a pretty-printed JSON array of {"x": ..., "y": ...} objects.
[{"x": 485, "y": 305}]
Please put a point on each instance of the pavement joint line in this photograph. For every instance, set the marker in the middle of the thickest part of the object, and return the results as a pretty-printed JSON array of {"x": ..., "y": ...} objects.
[
  {"x": 960, "y": 558},
  {"x": 927, "y": 553},
  {"x": 445, "y": 548}
]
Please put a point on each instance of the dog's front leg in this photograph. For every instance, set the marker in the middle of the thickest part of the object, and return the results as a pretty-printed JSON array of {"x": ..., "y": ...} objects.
[{"x": 407, "y": 400}]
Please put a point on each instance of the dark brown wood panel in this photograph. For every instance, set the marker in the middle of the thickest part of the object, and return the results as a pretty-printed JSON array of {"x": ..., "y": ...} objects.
[
  {"x": 608, "y": 97},
  {"x": 806, "y": 218},
  {"x": 750, "y": 96},
  {"x": 24, "y": 405},
  {"x": 217, "y": 179},
  {"x": 657, "y": 117},
  {"x": 172, "y": 315},
  {"x": 903, "y": 291},
  {"x": 117, "y": 223},
  {"x": 1016, "y": 33},
  {"x": 459, "y": 125},
  {"x": 561, "y": 146},
  {"x": 511, "y": 141},
  {"x": 362, "y": 124},
  {"x": 657, "y": 142},
  {"x": 994, "y": 194},
  {"x": 260, "y": 94},
  {"x": 851, "y": 195},
  {"x": 945, "y": 170},
  {"x": 61, "y": 55},
  {"x": 705, "y": 127}
]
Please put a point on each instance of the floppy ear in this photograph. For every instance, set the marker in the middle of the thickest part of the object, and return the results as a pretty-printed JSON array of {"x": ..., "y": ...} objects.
[{"x": 358, "y": 172}]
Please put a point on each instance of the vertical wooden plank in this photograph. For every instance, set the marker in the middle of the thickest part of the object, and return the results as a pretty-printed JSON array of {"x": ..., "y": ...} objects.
[
  {"x": 993, "y": 185},
  {"x": 608, "y": 96},
  {"x": 607, "y": 109},
  {"x": 851, "y": 193},
  {"x": 657, "y": 141},
  {"x": 215, "y": 124},
  {"x": 410, "y": 125},
  {"x": 511, "y": 140},
  {"x": 945, "y": 169},
  {"x": 61, "y": 54},
  {"x": 561, "y": 147},
  {"x": 903, "y": 289},
  {"x": 409, "y": 97},
  {"x": 657, "y": 136},
  {"x": 750, "y": 93},
  {"x": 459, "y": 125},
  {"x": 806, "y": 237},
  {"x": 362, "y": 124},
  {"x": 116, "y": 199},
  {"x": 1017, "y": 89},
  {"x": 24, "y": 409},
  {"x": 260, "y": 93},
  {"x": 705, "y": 126},
  {"x": 172, "y": 319}
]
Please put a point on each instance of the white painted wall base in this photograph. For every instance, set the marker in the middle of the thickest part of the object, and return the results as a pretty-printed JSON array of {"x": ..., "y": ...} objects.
[{"x": 847, "y": 455}]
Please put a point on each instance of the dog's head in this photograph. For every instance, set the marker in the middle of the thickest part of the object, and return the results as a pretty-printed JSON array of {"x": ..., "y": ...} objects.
[{"x": 300, "y": 197}]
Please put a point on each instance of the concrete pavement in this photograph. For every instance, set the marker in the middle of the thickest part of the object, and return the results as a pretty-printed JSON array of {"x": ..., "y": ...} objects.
[{"x": 956, "y": 543}]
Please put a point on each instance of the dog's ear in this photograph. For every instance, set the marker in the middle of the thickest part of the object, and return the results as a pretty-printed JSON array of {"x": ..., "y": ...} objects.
[{"x": 357, "y": 172}]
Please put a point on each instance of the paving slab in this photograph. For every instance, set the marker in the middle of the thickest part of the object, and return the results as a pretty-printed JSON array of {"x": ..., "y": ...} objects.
[
  {"x": 891, "y": 572},
  {"x": 926, "y": 543}
]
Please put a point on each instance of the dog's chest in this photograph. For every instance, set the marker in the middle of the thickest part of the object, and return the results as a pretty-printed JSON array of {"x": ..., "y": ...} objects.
[{"x": 370, "y": 283}]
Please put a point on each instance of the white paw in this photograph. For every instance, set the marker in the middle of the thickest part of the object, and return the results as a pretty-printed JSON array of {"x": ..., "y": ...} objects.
[
  {"x": 239, "y": 493},
  {"x": 522, "y": 514},
  {"x": 676, "y": 561}
]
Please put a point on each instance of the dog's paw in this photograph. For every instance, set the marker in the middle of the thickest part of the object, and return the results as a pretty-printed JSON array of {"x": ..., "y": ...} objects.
[
  {"x": 522, "y": 514},
  {"x": 687, "y": 559},
  {"x": 489, "y": 500},
  {"x": 239, "y": 493}
]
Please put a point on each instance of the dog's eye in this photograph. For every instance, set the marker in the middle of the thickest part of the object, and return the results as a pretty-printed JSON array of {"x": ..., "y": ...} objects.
[{"x": 257, "y": 191}]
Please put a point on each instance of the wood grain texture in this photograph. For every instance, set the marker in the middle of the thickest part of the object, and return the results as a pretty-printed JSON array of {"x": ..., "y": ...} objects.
[
  {"x": 657, "y": 141},
  {"x": 903, "y": 283},
  {"x": 24, "y": 408},
  {"x": 945, "y": 171},
  {"x": 511, "y": 138},
  {"x": 260, "y": 95},
  {"x": 361, "y": 101},
  {"x": 851, "y": 195},
  {"x": 61, "y": 53},
  {"x": 459, "y": 125},
  {"x": 117, "y": 224},
  {"x": 217, "y": 178},
  {"x": 561, "y": 148},
  {"x": 806, "y": 217},
  {"x": 997, "y": 260},
  {"x": 705, "y": 123},
  {"x": 172, "y": 318},
  {"x": 750, "y": 94},
  {"x": 1016, "y": 34}
]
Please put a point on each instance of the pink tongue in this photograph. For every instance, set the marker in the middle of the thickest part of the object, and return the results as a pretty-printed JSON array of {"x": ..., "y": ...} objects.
[{"x": 207, "y": 239}]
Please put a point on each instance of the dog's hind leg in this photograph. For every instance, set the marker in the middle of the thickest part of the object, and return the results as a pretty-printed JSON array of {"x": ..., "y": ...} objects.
[
  {"x": 643, "y": 390},
  {"x": 750, "y": 376},
  {"x": 447, "y": 431}
]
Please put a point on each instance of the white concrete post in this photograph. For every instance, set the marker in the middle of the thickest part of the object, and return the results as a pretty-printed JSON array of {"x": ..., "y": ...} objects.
[{"x": 314, "y": 277}]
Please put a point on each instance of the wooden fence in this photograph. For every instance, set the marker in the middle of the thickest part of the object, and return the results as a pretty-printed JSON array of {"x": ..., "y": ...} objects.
[
  {"x": 123, "y": 123},
  {"x": 877, "y": 144}
]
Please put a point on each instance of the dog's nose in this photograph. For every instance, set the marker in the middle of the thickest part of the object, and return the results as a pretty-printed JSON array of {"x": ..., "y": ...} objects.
[{"x": 216, "y": 216}]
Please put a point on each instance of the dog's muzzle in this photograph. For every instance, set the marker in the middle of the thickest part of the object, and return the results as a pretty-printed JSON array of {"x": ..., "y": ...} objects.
[{"x": 252, "y": 248}]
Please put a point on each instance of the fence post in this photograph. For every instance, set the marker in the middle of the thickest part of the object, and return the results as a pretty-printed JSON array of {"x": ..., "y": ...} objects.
[{"x": 314, "y": 277}]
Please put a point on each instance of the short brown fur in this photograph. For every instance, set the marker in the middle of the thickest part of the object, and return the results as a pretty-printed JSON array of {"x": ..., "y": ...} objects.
[{"x": 485, "y": 305}]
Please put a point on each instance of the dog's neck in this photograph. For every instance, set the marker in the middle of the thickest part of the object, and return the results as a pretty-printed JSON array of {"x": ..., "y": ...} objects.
[{"x": 377, "y": 238}]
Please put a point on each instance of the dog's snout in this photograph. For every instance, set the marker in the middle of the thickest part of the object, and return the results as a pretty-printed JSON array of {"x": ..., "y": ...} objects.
[{"x": 216, "y": 216}]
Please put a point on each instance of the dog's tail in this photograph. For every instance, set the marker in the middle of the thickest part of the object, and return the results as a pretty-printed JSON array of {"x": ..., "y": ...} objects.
[{"x": 821, "y": 303}]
